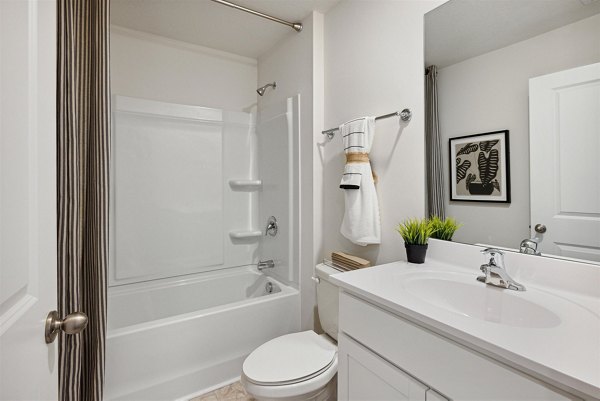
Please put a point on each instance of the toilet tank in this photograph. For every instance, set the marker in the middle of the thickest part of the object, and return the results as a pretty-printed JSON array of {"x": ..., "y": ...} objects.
[{"x": 327, "y": 300}]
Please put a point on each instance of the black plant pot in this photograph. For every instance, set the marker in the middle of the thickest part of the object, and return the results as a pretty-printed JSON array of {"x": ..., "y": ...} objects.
[
  {"x": 476, "y": 188},
  {"x": 415, "y": 253}
]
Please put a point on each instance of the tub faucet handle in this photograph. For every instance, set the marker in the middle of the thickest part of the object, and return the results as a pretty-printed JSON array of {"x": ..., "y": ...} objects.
[{"x": 272, "y": 227}]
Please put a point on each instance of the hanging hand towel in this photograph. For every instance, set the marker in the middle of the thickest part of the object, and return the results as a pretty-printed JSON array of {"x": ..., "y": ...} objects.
[{"x": 361, "y": 223}]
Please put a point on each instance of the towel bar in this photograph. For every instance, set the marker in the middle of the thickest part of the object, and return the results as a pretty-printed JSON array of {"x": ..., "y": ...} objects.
[{"x": 405, "y": 115}]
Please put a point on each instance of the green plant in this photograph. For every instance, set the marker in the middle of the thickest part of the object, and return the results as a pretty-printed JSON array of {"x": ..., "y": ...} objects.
[
  {"x": 415, "y": 231},
  {"x": 443, "y": 229}
]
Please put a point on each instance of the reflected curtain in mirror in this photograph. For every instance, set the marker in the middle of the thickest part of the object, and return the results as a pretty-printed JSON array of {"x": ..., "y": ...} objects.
[
  {"x": 433, "y": 147},
  {"x": 83, "y": 146}
]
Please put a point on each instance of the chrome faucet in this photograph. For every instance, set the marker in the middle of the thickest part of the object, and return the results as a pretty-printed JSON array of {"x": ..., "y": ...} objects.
[
  {"x": 265, "y": 264},
  {"x": 529, "y": 246},
  {"x": 494, "y": 272}
]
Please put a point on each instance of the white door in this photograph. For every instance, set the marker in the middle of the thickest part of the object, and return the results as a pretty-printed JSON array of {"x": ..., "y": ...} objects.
[
  {"x": 564, "y": 147},
  {"x": 28, "y": 367}
]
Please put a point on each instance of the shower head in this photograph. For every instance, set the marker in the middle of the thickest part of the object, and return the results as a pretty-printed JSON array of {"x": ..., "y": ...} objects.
[{"x": 261, "y": 91}]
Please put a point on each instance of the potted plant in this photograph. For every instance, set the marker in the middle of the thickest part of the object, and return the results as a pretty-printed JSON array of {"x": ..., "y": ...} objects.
[
  {"x": 415, "y": 233},
  {"x": 443, "y": 229}
]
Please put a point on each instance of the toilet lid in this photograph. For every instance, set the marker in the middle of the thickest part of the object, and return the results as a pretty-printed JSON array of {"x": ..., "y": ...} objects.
[{"x": 289, "y": 358}]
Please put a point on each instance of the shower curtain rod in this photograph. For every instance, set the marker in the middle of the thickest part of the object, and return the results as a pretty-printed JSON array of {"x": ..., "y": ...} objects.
[{"x": 297, "y": 26}]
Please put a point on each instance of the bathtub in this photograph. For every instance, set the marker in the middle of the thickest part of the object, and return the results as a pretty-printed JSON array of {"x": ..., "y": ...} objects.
[{"x": 174, "y": 339}]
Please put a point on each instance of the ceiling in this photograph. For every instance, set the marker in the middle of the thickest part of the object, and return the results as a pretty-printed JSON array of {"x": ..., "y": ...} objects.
[
  {"x": 213, "y": 25},
  {"x": 462, "y": 29}
]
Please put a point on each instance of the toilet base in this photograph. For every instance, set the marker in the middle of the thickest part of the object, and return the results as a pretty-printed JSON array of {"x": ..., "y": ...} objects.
[{"x": 327, "y": 393}]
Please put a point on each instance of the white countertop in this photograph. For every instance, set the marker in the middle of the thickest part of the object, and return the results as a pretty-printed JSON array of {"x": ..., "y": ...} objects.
[{"x": 565, "y": 352}]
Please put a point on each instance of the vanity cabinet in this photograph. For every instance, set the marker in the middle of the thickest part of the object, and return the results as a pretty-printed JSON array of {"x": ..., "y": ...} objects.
[
  {"x": 383, "y": 356},
  {"x": 368, "y": 377}
]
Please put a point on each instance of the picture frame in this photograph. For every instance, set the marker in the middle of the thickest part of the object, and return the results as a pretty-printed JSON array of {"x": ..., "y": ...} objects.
[{"x": 480, "y": 167}]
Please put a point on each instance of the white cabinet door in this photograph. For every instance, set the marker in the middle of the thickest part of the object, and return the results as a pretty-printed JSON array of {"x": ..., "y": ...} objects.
[
  {"x": 564, "y": 113},
  {"x": 28, "y": 368},
  {"x": 364, "y": 376}
]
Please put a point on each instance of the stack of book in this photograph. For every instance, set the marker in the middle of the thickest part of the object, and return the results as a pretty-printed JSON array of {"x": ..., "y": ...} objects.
[{"x": 348, "y": 262}]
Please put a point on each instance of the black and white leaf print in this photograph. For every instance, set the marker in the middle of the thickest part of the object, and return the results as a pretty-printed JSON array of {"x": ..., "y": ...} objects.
[
  {"x": 468, "y": 148},
  {"x": 488, "y": 166},
  {"x": 461, "y": 169},
  {"x": 486, "y": 146},
  {"x": 496, "y": 184}
]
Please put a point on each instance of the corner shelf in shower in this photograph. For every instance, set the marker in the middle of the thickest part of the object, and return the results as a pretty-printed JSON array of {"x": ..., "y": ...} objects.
[
  {"x": 249, "y": 185},
  {"x": 245, "y": 234}
]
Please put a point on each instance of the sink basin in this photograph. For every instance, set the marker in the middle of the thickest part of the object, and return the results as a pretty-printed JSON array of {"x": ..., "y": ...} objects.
[{"x": 464, "y": 295}]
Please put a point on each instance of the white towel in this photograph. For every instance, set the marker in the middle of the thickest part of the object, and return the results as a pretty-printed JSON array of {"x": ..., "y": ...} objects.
[{"x": 361, "y": 223}]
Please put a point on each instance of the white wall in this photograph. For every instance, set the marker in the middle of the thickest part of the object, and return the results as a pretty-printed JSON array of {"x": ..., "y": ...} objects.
[
  {"x": 156, "y": 68},
  {"x": 291, "y": 64},
  {"x": 489, "y": 93},
  {"x": 374, "y": 65}
]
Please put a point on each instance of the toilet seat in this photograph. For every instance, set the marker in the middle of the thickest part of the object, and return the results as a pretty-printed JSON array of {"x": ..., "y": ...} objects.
[
  {"x": 289, "y": 359},
  {"x": 290, "y": 365}
]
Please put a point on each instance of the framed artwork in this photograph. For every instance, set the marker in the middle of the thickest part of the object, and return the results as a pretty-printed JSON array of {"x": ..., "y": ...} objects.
[{"x": 480, "y": 167}]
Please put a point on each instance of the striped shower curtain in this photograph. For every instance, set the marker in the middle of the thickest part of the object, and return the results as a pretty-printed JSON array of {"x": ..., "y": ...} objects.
[
  {"x": 83, "y": 146},
  {"x": 433, "y": 148}
]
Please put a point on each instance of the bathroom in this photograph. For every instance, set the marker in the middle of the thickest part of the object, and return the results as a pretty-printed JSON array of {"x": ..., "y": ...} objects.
[{"x": 181, "y": 318}]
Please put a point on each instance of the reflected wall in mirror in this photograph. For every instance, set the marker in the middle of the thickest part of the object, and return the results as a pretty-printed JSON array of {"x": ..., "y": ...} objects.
[{"x": 533, "y": 68}]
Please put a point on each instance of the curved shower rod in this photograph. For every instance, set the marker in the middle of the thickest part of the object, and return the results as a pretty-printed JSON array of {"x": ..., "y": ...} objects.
[{"x": 297, "y": 26}]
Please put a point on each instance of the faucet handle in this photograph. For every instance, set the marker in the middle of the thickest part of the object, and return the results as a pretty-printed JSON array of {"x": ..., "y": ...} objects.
[
  {"x": 494, "y": 256},
  {"x": 272, "y": 227},
  {"x": 492, "y": 251}
]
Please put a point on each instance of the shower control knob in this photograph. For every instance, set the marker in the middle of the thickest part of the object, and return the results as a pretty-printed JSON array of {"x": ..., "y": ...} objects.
[
  {"x": 272, "y": 227},
  {"x": 72, "y": 324}
]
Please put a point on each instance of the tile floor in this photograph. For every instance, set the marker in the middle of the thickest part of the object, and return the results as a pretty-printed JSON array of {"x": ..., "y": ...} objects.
[{"x": 234, "y": 391}]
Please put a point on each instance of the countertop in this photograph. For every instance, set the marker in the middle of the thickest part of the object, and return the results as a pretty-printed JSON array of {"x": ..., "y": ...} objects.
[{"x": 564, "y": 353}]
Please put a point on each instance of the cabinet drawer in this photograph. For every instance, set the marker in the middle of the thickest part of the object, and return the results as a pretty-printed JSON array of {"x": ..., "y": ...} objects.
[
  {"x": 449, "y": 367},
  {"x": 364, "y": 376}
]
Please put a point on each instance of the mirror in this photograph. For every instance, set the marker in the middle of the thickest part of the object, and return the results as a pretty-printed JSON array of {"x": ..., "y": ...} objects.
[{"x": 531, "y": 68}]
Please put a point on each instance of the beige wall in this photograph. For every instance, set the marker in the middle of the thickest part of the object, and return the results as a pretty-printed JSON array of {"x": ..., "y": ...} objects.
[{"x": 374, "y": 65}]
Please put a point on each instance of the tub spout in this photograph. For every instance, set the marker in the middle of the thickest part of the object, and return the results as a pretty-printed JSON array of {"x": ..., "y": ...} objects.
[{"x": 265, "y": 264}]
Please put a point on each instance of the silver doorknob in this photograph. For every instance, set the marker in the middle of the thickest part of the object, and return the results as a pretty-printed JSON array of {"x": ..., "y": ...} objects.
[
  {"x": 72, "y": 324},
  {"x": 540, "y": 228}
]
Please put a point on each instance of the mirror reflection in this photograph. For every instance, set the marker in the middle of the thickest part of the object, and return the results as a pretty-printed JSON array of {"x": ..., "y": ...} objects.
[{"x": 532, "y": 69}]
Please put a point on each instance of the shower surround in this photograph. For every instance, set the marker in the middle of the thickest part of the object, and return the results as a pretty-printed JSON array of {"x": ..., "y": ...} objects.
[{"x": 193, "y": 188}]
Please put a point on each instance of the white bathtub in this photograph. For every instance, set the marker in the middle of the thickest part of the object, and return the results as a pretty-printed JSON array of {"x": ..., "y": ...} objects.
[{"x": 170, "y": 340}]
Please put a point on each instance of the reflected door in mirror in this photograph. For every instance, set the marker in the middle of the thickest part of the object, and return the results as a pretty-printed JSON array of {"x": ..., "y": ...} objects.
[{"x": 564, "y": 161}]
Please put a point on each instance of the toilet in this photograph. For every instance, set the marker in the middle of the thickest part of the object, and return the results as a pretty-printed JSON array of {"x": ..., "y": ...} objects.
[{"x": 299, "y": 366}]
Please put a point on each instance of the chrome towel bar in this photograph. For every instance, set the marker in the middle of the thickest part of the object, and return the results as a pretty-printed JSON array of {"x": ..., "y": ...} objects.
[{"x": 405, "y": 115}]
